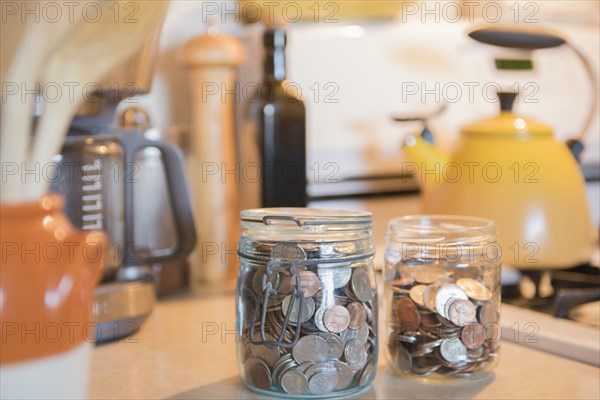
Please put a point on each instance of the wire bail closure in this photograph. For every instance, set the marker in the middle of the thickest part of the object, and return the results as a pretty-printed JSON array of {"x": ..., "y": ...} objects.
[{"x": 269, "y": 291}]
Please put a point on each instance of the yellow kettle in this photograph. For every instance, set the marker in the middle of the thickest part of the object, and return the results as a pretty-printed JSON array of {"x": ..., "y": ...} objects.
[{"x": 512, "y": 170}]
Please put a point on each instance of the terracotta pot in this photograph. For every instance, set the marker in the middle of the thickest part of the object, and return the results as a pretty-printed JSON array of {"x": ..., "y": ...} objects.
[{"x": 49, "y": 270}]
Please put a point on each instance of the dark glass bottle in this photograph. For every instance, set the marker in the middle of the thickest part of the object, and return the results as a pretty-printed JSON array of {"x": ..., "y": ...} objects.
[{"x": 281, "y": 130}]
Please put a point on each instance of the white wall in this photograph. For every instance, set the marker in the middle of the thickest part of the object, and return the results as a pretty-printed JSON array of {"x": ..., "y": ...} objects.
[{"x": 370, "y": 61}]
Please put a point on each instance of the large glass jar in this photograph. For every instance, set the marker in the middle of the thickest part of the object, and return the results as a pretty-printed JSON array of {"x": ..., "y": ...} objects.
[
  {"x": 442, "y": 296},
  {"x": 306, "y": 302}
]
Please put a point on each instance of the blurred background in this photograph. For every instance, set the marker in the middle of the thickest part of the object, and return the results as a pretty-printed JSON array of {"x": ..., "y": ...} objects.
[{"x": 358, "y": 64}]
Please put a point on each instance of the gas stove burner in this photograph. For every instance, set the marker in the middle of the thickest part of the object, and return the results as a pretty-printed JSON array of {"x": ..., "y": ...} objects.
[{"x": 554, "y": 292}]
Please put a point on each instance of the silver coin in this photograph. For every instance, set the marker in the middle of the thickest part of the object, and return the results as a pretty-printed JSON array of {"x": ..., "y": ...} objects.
[
  {"x": 287, "y": 251},
  {"x": 281, "y": 363},
  {"x": 365, "y": 376},
  {"x": 416, "y": 294},
  {"x": 322, "y": 383},
  {"x": 268, "y": 355},
  {"x": 340, "y": 274},
  {"x": 318, "y": 368},
  {"x": 461, "y": 312},
  {"x": 421, "y": 352},
  {"x": 304, "y": 366},
  {"x": 344, "y": 374},
  {"x": 281, "y": 369},
  {"x": 474, "y": 289},
  {"x": 361, "y": 334},
  {"x": 294, "y": 382},
  {"x": 295, "y": 315},
  {"x": 361, "y": 285},
  {"x": 453, "y": 351},
  {"x": 310, "y": 348},
  {"x": 336, "y": 345},
  {"x": 257, "y": 373},
  {"x": 319, "y": 319},
  {"x": 429, "y": 294},
  {"x": 403, "y": 359},
  {"x": 444, "y": 295},
  {"x": 355, "y": 354}
]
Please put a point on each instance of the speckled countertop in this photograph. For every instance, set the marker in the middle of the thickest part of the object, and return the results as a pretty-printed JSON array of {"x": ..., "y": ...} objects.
[{"x": 186, "y": 350}]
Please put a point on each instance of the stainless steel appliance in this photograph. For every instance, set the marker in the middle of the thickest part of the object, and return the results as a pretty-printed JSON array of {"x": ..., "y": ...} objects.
[{"x": 100, "y": 178}]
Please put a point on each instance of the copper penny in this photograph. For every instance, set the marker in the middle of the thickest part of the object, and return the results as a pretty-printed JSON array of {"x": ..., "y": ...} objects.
[
  {"x": 358, "y": 315},
  {"x": 402, "y": 282},
  {"x": 336, "y": 319},
  {"x": 408, "y": 315},
  {"x": 309, "y": 283},
  {"x": 472, "y": 335}
]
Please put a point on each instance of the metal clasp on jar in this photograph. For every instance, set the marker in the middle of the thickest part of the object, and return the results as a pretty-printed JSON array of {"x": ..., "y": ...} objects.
[{"x": 269, "y": 281}]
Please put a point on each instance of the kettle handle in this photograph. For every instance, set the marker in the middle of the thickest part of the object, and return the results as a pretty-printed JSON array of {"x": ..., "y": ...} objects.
[{"x": 178, "y": 197}]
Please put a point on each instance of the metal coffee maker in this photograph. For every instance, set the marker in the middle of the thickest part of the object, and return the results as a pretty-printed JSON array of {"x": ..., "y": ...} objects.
[{"x": 104, "y": 185}]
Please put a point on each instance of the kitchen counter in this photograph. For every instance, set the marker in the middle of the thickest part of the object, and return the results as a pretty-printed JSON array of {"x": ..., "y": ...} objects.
[{"x": 186, "y": 349}]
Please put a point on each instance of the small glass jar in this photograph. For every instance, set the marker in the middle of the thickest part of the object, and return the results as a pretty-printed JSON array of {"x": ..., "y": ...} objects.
[
  {"x": 306, "y": 302},
  {"x": 442, "y": 296}
]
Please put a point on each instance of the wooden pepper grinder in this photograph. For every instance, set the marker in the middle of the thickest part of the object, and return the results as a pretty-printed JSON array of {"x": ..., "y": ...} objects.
[{"x": 211, "y": 60}]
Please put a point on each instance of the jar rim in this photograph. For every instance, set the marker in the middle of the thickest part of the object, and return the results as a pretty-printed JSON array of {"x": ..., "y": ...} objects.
[
  {"x": 306, "y": 217},
  {"x": 441, "y": 227}
]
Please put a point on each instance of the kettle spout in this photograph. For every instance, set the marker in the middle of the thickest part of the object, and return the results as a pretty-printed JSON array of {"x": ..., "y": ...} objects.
[{"x": 426, "y": 161}]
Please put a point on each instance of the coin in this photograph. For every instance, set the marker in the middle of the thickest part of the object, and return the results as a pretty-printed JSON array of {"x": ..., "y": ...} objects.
[
  {"x": 453, "y": 351},
  {"x": 282, "y": 369},
  {"x": 355, "y": 354},
  {"x": 345, "y": 375},
  {"x": 268, "y": 355},
  {"x": 361, "y": 334},
  {"x": 310, "y": 348},
  {"x": 318, "y": 318},
  {"x": 257, "y": 373},
  {"x": 322, "y": 383},
  {"x": 336, "y": 345},
  {"x": 429, "y": 294},
  {"x": 285, "y": 284},
  {"x": 309, "y": 283},
  {"x": 474, "y": 289},
  {"x": 408, "y": 315},
  {"x": 487, "y": 313},
  {"x": 403, "y": 282},
  {"x": 365, "y": 376},
  {"x": 280, "y": 365},
  {"x": 295, "y": 316},
  {"x": 294, "y": 382},
  {"x": 403, "y": 359},
  {"x": 287, "y": 251},
  {"x": 473, "y": 335},
  {"x": 340, "y": 274},
  {"x": 426, "y": 275},
  {"x": 465, "y": 272},
  {"x": 257, "y": 281},
  {"x": 444, "y": 295},
  {"x": 361, "y": 285},
  {"x": 416, "y": 294},
  {"x": 461, "y": 312},
  {"x": 358, "y": 315},
  {"x": 336, "y": 319},
  {"x": 318, "y": 368}
]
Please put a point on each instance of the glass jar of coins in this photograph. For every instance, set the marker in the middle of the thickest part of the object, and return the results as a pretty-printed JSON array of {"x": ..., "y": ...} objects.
[
  {"x": 306, "y": 302},
  {"x": 442, "y": 296}
]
